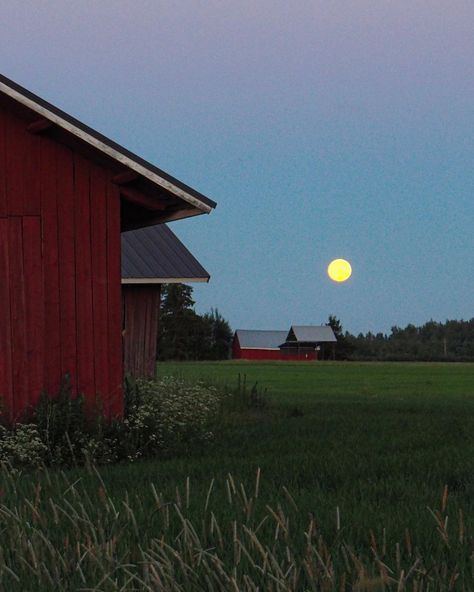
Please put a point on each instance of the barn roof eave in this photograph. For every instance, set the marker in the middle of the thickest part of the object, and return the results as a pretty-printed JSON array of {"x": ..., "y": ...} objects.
[
  {"x": 199, "y": 202},
  {"x": 164, "y": 280}
]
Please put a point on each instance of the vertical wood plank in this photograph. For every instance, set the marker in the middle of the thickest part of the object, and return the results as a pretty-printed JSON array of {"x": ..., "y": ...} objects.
[
  {"x": 50, "y": 224},
  {"x": 6, "y": 378},
  {"x": 155, "y": 292},
  {"x": 20, "y": 371},
  {"x": 115, "y": 355},
  {"x": 98, "y": 203},
  {"x": 31, "y": 148},
  {"x": 84, "y": 306},
  {"x": 14, "y": 156},
  {"x": 67, "y": 263},
  {"x": 34, "y": 307},
  {"x": 141, "y": 329},
  {"x": 3, "y": 179},
  {"x": 22, "y": 161}
]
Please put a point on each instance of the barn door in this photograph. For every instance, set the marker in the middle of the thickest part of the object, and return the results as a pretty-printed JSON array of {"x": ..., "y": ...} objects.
[{"x": 21, "y": 314}]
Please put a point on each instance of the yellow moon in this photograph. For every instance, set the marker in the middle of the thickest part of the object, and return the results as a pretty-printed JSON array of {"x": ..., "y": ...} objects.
[{"x": 339, "y": 270}]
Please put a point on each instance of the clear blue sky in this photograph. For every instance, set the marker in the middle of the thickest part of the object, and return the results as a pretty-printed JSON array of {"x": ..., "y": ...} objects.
[{"x": 322, "y": 129}]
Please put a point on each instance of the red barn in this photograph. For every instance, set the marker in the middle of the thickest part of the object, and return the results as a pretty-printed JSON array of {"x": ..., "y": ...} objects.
[
  {"x": 66, "y": 193},
  {"x": 150, "y": 257},
  {"x": 257, "y": 345},
  {"x": 300, "y": 343}
]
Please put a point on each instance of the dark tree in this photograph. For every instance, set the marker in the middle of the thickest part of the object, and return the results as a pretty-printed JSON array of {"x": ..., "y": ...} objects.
[
  {"x": 177, "y": 322},
  {"x": 449, "y": 341},
  {"x": 344, "y": 345},
  {"x": 185, "y": 335},
  {"x": 220, "y": 335}
]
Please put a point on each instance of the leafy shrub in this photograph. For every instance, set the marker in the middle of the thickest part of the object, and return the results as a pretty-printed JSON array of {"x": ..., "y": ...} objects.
[
  {"x": 22, "y": 446},
  {"x": 165, "y": 416},
  {"x": 61, "y": 422},
  {"x": 168, "y": 414}
]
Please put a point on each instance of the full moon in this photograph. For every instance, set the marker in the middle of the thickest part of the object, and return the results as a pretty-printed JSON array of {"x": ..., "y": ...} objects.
[{"x": 339, "y": 270}]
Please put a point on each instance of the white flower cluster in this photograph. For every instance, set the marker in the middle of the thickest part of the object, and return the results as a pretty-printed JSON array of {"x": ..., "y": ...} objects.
[
  {"x": 170, "y": 412},
  {"x": 162, "y": 416},
  {"x": 21, "y": 446}
]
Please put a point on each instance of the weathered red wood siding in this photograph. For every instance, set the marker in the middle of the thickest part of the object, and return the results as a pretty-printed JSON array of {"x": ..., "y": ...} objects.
[
  {"x": 141, "y": 307},
  {"x": 59, "y": 273}
]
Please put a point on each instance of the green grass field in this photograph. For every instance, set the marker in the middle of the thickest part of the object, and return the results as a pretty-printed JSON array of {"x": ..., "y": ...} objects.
[
  {"x": 379, "y": 441},
  {"x": 360, "y": 452}
]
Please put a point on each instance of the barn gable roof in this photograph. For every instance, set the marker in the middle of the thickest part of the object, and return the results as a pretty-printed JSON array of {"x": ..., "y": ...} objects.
[
  {"x": 134, "y": 174},
  {"x": 155, "y": 255},
  {"x": 260, "y": 339},
  {"x": 311, "y": 334}
]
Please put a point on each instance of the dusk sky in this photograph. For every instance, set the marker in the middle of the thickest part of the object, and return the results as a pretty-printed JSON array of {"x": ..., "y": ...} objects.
[{"x": 322, "y": 129}]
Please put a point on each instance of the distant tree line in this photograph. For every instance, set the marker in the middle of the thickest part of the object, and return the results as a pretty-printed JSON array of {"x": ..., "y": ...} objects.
[
  {"x": 449, "y": 341},
  {"x": 184, "y": 334}
]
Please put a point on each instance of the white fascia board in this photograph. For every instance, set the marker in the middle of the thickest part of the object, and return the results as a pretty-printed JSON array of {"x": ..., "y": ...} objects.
[
  {"x": 262, "y": 348},
  {"x": 105, "y": 148}
]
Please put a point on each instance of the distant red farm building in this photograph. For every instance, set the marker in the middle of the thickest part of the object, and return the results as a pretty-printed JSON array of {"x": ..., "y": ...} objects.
[
  {"x": 151, "y": 257},
  {"x": 66, "y": 193},
  {"x": 257, "y": 345},
  {"x": 309, "y": 342},
  {"x": 300, "y": 343}
]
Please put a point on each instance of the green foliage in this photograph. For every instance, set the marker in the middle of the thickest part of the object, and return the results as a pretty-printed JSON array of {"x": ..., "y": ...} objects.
[
  {"x": 168, "y": 415},
  {"x": 162, "y": 417},
  {"x": 220, "y": 333},
  {"x": 22, "y": 447},
  {"x": 344, "y": 346},
  {"x": 185, "y": 335},
  {"x": 243, "y": 396},
  {"x": 62, "y": 425},
  {"x": 449, "y": 341}
]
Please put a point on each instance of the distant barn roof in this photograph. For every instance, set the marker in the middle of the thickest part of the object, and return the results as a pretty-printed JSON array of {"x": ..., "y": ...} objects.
[
  {"x": 260, "y": 339},
  {"x": 160, "y": 196},
  {"x": 155, "y": 255},
  {"x": 311, "y": 334}
]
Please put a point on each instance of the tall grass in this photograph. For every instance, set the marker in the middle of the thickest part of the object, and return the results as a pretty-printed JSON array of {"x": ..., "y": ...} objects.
[
  {"x": 366, "y": 482},
  {"x": 60, "y": 535}
]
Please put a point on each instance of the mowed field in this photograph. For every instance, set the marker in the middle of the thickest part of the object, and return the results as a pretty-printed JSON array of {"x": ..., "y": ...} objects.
[{"x": 355, "y": 477}]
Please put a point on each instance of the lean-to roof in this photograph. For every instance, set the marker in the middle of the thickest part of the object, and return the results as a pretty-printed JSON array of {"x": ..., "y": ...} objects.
[{"x": 155, "y": 255}]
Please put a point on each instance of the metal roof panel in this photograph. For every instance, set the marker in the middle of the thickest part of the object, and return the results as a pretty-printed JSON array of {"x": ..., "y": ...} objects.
[
  {"x": 260, "y": 339},
  {"x": 155, "y": 254},
  {"x": 313, "y": 333}
]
